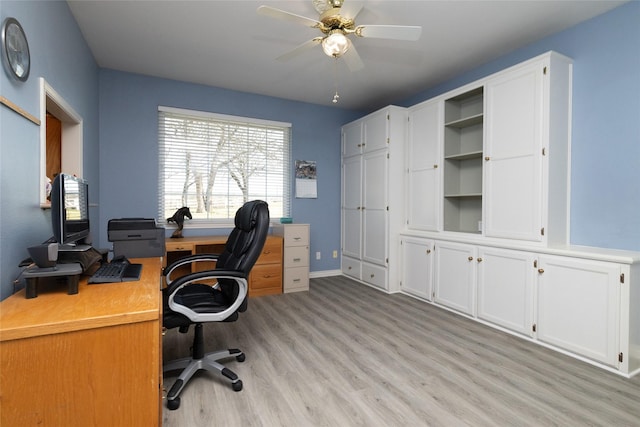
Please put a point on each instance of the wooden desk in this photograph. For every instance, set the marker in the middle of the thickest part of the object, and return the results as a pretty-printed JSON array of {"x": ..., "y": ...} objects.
[
  {"x": 265, "y": 277},
  {"x": 93, "y": 358}
]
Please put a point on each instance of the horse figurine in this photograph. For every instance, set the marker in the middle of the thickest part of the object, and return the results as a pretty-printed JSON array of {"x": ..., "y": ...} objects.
[{"x": 178, "y": 218}]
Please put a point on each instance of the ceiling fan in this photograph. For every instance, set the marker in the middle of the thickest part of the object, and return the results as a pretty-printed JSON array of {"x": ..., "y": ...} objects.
[{"x": 336, "y": 22}]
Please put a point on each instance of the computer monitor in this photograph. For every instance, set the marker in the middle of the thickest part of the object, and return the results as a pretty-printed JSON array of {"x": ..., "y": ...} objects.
[{"x": 70, "y": 212}]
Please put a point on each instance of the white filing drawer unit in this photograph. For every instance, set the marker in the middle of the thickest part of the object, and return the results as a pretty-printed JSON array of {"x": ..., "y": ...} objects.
[{"x": 296, "y": 256}]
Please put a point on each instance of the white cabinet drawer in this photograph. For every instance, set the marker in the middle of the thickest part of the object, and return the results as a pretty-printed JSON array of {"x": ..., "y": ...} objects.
[
  {"x": 296, "y": 256},
  {"x": 351, "y": 267},
  {"x": 295, "y": 234},
  {"x": 296, "y": 279},
  {"x": 374, "y": 275}
]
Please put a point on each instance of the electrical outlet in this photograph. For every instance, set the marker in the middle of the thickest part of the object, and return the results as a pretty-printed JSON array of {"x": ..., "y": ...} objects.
[
  {"x": 335, "y": 254},
  {"x": 318, "y": 255}
]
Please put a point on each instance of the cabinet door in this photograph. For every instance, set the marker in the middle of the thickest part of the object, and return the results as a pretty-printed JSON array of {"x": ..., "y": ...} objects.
[
  {"x": 417, "y": 267},
  {"x": 352, "y": 139},
  {"x": 374, "y": 208},
  {"x": 352, "y": 206},
  {"x": 578, "y": 306},
  {"x": 505, "y": 288},
  {"x": 455, "y": 276},
  {"x": 423, "y": 159},
  {"x": 376, "y": 131},
  {"x": 513, "y": 154}
]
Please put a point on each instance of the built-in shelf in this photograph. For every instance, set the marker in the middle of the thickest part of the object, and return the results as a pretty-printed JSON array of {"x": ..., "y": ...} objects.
[
  {"x": 463, "y": 152},
  {"x": 464, "y": 195},
  {"x": 465, "y": 156},
  {"x": 466, "y": 121}
]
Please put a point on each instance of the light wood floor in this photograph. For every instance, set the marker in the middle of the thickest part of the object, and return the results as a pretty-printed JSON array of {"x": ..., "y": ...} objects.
[{"x": 344, "y": 354}]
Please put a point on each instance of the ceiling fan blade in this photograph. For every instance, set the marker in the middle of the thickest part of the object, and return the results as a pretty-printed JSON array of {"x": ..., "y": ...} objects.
[
  {"x": 394, "y": 32},
  {"x": 351, "y": 8},
  {"x": 287, "y": 16},
  {"x": 352, "y": 58},
  {"x": 298, "y": 50}
]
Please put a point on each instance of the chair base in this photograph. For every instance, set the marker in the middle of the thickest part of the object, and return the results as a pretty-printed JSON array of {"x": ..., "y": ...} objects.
[{"x": 209, "y": 362}]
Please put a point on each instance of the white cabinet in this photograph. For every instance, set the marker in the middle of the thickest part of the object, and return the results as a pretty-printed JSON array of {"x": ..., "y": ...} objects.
[
  {"x": 374, "y": 207},
  {"x": 505, "y": 288},
  {"x": 295, "y": 274},
  {"x": 578, "y": 306},
  {"x": 372, "y": 204},
  {"x": 526, "y": 154},
  {"x": 423, "y": 166},
  {"x": 417, "y": 267},
  {"x": 455, "y": 276},
  {"x": 352, "y": 210}
]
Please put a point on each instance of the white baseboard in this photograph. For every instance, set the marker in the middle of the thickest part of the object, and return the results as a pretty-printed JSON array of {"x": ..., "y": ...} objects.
[{"x": 324, "y": 273}]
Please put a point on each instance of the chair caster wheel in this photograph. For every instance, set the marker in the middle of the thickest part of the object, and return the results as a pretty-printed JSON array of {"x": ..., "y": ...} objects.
[
  {"x": 173, "y": 404},
  {"x": 237, "y": 386},
  {"x": 240, "y": 358}
]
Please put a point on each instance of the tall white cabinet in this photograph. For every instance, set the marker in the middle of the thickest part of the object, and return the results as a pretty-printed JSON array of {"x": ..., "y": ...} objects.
[
  {"x": 372, "y": 208},
  {"x": 486, "y": 229}
]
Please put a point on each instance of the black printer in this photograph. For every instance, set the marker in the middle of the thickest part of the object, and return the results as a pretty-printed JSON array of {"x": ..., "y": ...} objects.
[{"x": 136, "y": 237}]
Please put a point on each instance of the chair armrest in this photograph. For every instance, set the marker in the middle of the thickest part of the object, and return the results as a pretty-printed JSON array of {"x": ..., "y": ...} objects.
[
  {"x": 197, "y": 317},
  {"x": 169, "y": 269}
]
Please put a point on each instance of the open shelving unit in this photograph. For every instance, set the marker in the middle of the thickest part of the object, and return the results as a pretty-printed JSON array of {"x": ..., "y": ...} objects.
[{"x": 463, "y": 150}]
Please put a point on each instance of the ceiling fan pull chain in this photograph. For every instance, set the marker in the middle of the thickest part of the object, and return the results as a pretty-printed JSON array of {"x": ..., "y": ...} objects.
[{"x": 335, "y": 76}]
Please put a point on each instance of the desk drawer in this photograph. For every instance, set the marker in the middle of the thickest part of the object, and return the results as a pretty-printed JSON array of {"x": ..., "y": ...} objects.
[
  {"x": 271, "y": 252},
  {"x": 266, "y": 276}
]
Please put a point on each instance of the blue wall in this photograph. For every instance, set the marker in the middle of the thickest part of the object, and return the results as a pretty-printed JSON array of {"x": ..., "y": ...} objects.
[
  {"x": 129, "y": 149},
  {"x": 605, "y": 144},
  {"x": 60, "y": 55}
]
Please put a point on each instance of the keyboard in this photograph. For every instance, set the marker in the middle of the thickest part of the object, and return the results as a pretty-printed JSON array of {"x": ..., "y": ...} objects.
[{"x": 116, "y": 272}]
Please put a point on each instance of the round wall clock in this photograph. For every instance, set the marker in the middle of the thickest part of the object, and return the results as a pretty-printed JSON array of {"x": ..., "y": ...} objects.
[{"x": 15, "y": 50}]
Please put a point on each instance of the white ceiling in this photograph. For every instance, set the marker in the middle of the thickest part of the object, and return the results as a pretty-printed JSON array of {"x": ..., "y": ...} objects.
[{"x": 228, "y": 45}]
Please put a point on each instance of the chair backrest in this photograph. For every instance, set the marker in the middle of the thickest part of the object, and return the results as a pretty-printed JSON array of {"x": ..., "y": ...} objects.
[{"x": 244, "y": 244}]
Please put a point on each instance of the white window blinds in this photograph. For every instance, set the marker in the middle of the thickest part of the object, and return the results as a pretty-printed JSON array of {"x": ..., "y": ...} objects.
[{"x": 215, "y": 163}]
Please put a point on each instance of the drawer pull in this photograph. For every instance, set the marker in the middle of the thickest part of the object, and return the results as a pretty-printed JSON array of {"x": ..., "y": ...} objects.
[
  {"x": 266, "y": 276},
  {"x": 372, "y": 275},
  {"x": 296, "y": 280},
  {"x": 296, "y": 260},
  {"x": 349, "y": 268},
  {"x": 267, "y": 252},
  {"x": 297, "y": 238}
]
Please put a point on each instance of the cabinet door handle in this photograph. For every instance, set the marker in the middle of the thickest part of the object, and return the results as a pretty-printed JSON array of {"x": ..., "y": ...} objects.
[
  {"x": 349, "y": 268},
  {"x": 541, "y": 270},
  {"x": 435, "y": 166},
  {"x": 479, "y": 260},
  {"x": 470, "y": 258},
  {"x": 372, "y": 275},
  {"x": 487, "y": 158},
  {"x": 428, "y": 251}
]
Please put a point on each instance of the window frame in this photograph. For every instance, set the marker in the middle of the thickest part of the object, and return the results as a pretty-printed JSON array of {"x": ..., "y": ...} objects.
[{"x": 236, "y": 120}]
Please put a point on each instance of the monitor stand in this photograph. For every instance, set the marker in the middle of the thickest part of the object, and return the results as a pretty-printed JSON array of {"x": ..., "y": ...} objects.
[{"x": 72, "y": 247}]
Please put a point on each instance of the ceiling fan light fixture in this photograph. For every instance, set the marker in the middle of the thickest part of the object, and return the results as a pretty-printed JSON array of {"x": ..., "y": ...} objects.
[{"x": 335, "y": 44}]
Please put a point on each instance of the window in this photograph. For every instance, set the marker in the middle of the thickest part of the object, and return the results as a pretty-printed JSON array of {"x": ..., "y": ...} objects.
[{"x": 215, "y": 163}]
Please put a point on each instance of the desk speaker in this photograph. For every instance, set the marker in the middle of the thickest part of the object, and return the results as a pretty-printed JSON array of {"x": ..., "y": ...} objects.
[{"x": 45, "y": 256}]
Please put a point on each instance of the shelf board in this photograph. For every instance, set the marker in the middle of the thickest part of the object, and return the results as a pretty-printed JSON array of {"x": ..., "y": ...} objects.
[
  {"x": 466, "y": 121},
  {"x": 463, "y": 195},
  {"x": 465, "y": 156}
]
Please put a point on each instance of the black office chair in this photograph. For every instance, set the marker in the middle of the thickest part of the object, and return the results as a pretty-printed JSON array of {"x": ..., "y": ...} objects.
[{"x": 214, "y": 296}]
